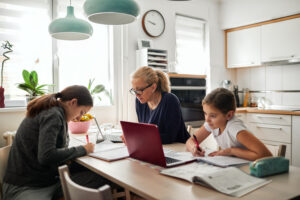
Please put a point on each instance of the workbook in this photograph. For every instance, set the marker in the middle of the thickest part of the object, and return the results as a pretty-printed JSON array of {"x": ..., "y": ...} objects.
[
  {"x": 109, "y": 151},
  {"x": 231, "y": 180}
]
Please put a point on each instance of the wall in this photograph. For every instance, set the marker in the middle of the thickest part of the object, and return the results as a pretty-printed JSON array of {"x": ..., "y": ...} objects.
[
  {"x": 205, "y": 9},
  {"x": 236, "y": 13}
]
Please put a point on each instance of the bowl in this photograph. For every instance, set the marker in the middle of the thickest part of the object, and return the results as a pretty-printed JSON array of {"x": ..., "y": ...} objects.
[{"x": 79, "y": 127}]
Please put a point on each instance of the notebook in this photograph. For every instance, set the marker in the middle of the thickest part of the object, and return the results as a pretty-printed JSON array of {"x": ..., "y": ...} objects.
[
  {"x": 144, "y": 143},
  {"x": 111, "y": 137}
]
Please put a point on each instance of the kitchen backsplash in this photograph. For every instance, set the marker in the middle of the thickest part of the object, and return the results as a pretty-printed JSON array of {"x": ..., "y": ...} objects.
[{"x": 272, "y": 82}]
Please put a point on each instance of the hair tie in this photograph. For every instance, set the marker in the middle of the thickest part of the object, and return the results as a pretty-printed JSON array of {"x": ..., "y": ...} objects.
[{"x": 58, "y": 95}]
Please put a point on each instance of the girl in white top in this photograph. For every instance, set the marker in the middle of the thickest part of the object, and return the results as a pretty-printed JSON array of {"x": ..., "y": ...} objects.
[{"x": 230, "y": 133}]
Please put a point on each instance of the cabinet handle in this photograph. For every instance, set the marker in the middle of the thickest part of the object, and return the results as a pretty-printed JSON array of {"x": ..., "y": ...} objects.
[
  {"x": 273, "y": 117},
  {"x": 269, "y": 127}
]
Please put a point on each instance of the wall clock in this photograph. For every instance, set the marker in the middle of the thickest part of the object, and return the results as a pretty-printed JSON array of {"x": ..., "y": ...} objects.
[{"x": 153, "y": 23}]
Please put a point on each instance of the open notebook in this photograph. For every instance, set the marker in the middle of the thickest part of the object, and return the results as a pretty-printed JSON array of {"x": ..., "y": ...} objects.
[
  {"x": 231, "y": 180},
  {"x": 221, "y": 161},
  {"x": 109, "y": 151}
]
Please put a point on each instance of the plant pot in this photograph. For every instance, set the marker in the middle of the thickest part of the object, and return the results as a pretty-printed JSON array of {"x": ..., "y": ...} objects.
[
  {"x": 2, "y": 105},
  {"x": 79, "y": 127}
]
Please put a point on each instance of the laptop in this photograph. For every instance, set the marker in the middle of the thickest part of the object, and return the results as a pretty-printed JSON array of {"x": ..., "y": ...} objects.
[
  {"x": 144, "y": 143},
  {"x": 113, "y": 138}
]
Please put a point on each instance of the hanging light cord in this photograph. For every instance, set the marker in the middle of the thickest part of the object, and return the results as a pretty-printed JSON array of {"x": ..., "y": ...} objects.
[{"x": 70, "y": 3}]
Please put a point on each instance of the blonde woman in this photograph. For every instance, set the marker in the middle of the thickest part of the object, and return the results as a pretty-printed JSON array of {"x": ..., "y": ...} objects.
[{"x": 156, "y": 105}]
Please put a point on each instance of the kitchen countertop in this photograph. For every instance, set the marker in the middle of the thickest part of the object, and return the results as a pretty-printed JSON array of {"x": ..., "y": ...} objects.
[{"x": 265, "y": 111}]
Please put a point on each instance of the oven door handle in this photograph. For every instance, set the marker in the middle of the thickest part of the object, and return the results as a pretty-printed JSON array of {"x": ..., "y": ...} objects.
[{"x": 187, "y": 88}]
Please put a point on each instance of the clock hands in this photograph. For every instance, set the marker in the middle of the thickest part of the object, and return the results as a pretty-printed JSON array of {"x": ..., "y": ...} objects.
[{"x": 151, "y": 22}]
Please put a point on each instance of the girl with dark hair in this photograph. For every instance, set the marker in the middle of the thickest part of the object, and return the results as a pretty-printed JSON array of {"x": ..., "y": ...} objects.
[
  {"x": 41, "y": 145},
  {"x": 230, "y": 132}
]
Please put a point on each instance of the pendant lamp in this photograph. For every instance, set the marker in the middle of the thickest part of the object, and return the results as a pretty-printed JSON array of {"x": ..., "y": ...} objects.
[
  {"x": 70, "y": 27},
  {"x": 111, "y": 12}
]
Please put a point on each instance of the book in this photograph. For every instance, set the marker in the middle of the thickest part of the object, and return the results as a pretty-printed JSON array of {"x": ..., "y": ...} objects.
[
  {"x": 109, "y": 151},
  {"x": 230, "y": 181}
]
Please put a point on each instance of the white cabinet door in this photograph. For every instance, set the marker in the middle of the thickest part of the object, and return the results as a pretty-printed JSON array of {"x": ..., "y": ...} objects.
[
  {"x": 296, "y": 141},
  {"x": 280, "y": 40},
  {"x": 243, "y": 47}
]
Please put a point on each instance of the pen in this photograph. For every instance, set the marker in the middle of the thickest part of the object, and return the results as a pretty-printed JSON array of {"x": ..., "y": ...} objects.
[
  {"x": 87, "y": 138},
  {"x": 196, "y": 142}
]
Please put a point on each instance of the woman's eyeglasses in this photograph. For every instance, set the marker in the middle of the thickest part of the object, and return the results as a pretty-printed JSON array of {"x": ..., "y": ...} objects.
[{"x": 139, "y": 91}]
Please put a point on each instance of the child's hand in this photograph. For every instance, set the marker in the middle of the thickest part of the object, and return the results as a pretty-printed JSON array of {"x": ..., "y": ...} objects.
[
  {"x": 223, "y": 152},
  {"x": 89, "y": 148},
  {"x": 194, "y": 150}
]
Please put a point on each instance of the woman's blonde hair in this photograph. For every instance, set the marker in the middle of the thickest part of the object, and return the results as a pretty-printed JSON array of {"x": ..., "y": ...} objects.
[{"x": 151, "y": 76}]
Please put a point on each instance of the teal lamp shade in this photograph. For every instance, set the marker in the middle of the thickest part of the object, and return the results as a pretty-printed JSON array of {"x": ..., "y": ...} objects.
[
  {"x": 70, "y": 27},
  {"x": 111, "y": 12}
]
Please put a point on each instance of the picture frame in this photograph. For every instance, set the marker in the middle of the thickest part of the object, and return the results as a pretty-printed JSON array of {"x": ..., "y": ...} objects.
[{"x": 145, "y": 43}]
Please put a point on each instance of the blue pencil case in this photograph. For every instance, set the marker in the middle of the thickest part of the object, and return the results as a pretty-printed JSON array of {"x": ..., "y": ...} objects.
[{"x": 269, "y": 166}]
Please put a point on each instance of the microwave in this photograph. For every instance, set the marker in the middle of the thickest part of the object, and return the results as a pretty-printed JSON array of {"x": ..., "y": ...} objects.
[{"x": 190, "y": 92}]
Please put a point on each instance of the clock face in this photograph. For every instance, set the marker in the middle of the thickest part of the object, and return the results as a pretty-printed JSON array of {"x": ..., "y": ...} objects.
[{"x": 153, "y": 23}]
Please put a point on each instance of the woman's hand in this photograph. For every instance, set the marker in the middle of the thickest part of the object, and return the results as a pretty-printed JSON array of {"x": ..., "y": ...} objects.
[
  {"x": 123, "y": 139},
  {"x": 223, "y": 152},
  {"x": 89, "y": 148}
]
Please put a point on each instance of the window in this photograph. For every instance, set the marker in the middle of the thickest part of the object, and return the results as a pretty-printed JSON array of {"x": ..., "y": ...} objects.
[
  {"x": 24, "y": 23},
  {"x": 191, "y": 53}
]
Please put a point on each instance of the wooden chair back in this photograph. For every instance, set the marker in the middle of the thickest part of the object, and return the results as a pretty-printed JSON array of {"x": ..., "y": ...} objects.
[
  {"x": 4, "y": 152},
  {"x": 73, "y": 191},
  {"x": 277, "y": 150}
]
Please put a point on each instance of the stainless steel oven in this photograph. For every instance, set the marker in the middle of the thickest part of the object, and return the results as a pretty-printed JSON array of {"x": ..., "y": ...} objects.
[{"x": 190, "y": 90}]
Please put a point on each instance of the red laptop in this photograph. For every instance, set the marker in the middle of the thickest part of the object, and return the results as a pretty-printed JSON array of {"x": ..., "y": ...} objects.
[{"x": 144, "y": 143}]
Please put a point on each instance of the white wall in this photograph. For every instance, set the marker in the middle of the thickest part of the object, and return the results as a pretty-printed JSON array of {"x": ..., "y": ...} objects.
[
  {"x": 236, "y": 13},
  {"x": 205, "y": 9}
]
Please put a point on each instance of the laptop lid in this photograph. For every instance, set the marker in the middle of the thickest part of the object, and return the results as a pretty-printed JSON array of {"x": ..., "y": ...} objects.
[{"x": 144, "y": 143}]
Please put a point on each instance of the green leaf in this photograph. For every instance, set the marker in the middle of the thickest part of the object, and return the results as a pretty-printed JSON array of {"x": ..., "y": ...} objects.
[
  {"x": 26, "y": 75},
  {"x": 98, "y": 89},
  {"x": 34, "y": 79},
  {"x": 90, "y": 84}
]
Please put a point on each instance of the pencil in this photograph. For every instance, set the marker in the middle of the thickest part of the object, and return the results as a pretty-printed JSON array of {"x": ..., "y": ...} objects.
[
  {"x": 196, "y": 142},
  {"x": 87, "y": 138}
]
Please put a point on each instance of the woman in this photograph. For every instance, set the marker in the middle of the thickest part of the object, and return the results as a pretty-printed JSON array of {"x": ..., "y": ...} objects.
[
  {"x": 156, "y": 105},
  {"x": 41, "y": 145}
]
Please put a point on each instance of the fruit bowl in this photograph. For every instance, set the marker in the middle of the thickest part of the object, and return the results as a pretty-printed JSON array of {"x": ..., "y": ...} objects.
[{"x": 79, "y": 126}]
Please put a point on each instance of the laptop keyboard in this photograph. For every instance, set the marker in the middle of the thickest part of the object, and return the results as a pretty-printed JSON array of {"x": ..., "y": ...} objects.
[
  {"x": 113, "y": 138},
  {"x": 171, "y": 160}
]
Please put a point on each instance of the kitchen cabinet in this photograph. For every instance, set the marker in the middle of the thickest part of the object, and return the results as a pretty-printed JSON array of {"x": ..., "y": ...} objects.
[
  {"x": 243, "y": 48},
  {"x": 296, "y": 141},
  {"x": 280, "y": 40},
  {"x": 272, "y": 129}
]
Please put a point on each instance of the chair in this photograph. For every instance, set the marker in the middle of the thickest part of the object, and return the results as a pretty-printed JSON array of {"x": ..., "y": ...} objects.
[
  {"x": 277, "y": 150},
  {"x": 4, "y": 152},
  {"x": 73, "y": 191}
]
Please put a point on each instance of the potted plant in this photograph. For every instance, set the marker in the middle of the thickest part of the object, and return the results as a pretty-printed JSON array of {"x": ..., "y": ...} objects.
[
  {"x": 95, "y": 91},
  {"x": 31, "y": 85},
  {"x": 7, "y": 49}
]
